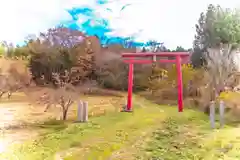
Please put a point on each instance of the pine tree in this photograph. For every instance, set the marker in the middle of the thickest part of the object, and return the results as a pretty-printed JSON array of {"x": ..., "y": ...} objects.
[{"x": 204, "y": 37}]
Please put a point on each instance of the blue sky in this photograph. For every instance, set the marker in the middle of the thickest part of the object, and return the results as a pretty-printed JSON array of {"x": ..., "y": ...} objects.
[{"x": 171, "y": 21}]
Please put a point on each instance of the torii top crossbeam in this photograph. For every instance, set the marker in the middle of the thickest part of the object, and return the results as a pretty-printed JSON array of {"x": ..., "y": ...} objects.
[
  {"x": 178, "y": 58},
  {"x": 160, "y": 54}
]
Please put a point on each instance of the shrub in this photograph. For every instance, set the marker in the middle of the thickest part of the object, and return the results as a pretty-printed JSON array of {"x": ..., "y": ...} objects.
[
  {"x": 14, "y": 76},
  {"x": 44, "y": 64},
  {"x": 167, "y": 78},
  {"x": 163, "y": 86},
  {"x": 113, "y": 75},
  {"x": 61, "y": 49},
  {"x": 53, "y": 59},
  {"x": 141, "y": 76}
]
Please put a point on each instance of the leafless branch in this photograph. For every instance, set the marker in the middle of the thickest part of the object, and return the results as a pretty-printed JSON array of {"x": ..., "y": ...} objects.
[
  {"x": 220, "y": 66},
  {"x": 63, "y": 94}
]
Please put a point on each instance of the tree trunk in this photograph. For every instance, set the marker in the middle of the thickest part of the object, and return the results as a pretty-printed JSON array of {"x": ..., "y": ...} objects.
[
  {"x": 64, "y": 112},
  {"x": 9, "y": 95},
  {"x": 1, "y": 94}
]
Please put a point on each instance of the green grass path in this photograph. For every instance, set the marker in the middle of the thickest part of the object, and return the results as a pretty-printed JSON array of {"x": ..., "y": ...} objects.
[{"x": 150, "y": 132}]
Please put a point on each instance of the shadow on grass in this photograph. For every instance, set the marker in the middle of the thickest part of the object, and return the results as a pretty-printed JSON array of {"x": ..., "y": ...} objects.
[
  {"x": 49, "y": 125},
  {"x": 231, "y": 121},
  {"x": 103, "y": 92}
]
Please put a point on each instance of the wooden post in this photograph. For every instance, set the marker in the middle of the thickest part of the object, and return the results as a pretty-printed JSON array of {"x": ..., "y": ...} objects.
[
  {"x": 212, "y": 114},
  {"x": 221, "y": 113}
]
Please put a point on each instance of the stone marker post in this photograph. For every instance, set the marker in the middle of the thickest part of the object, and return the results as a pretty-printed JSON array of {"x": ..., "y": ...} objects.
[
  {"x": 212, "y": 114},
  {"x": 221, "y": 112},
  {"x": 82, "y": 113},
  {"x": 79, "y": 112},
  {"x": 85, "y": 111}
]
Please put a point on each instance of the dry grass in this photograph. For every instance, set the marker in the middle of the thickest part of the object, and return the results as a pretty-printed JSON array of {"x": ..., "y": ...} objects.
[
  {"x": 20, "y": 120},
  {"x": 18, "y": 113},
  {"x": 7, "y": 64},
  {"x": 98, "y": 105}
]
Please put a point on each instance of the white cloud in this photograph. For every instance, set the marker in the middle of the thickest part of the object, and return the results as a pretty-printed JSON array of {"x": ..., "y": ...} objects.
[
  {"x": 171, "y": 21},
  {"x": 20, "y": 18}
]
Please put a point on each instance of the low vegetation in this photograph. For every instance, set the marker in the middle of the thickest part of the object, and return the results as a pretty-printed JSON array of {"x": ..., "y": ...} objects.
[{"x": 164, "y": 133}]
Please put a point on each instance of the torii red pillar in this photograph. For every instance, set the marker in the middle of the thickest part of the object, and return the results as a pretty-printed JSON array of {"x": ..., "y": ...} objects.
[
  {"x": 130, "y": 87},
  {"x": 180, "y": 84},
  {"x": 178, "y": 57}
]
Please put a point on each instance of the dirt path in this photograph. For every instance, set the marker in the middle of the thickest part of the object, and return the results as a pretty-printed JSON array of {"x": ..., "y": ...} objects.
[
  {"x": 14, "y": 119},
  {"x": 8, "y": 115}
]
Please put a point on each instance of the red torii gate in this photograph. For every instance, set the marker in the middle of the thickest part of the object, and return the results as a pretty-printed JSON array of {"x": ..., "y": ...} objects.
[{"x": 178, "y": 61}]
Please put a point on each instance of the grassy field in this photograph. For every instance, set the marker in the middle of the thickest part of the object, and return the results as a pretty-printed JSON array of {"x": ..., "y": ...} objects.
[{"x": 151, "y": 132}]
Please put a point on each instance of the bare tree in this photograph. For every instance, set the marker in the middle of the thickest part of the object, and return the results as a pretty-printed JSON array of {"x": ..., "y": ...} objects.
[
  {"x": 9, "y": 85},
  {"x": 62, "y": 94},
  {"x": 221, "y": 66}
]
